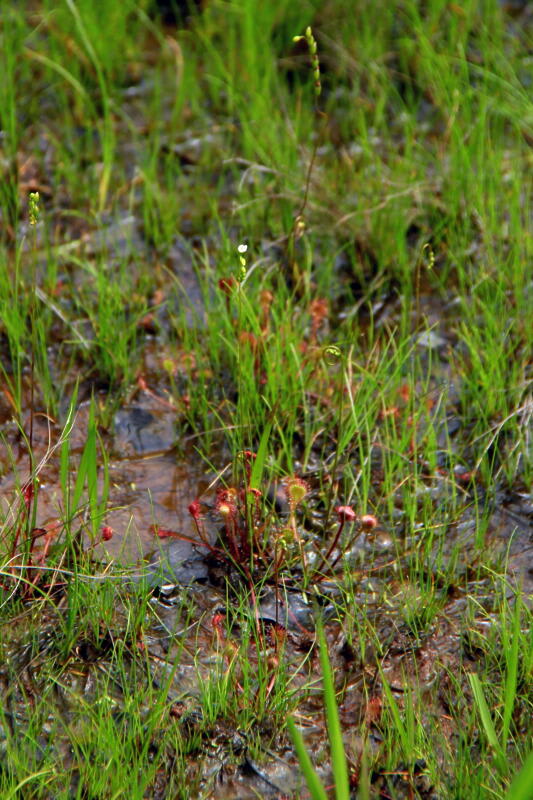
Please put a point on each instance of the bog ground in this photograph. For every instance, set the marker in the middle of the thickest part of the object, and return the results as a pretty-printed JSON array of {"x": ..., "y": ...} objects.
[{"x": 266, "y": 377}]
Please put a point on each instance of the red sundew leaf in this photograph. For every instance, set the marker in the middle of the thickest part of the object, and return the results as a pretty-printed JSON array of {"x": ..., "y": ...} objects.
[
  {"x": 345, "y": 513},
  {"x": 368, "y": 522},
  {"x": 107, "y": 533},
  {"x": 227, "y": 285},
  {"x": 27, "y": 494},
  {"x": 195, "y": 509},
  {"x": 465, "y": 477}
]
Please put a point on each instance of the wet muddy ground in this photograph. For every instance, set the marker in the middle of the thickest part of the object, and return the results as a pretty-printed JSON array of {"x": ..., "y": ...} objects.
[{"x": 179, "y": 616}]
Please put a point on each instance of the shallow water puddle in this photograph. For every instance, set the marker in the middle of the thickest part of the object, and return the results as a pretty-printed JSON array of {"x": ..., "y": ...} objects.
[{"x": 148, "y": 486}]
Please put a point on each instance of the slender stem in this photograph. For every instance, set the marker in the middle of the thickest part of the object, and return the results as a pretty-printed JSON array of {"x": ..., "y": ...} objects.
[{"x": 332, "y": 546}]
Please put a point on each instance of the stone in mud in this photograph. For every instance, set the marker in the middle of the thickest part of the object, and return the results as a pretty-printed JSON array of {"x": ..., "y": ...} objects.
[
  {"x": 139, "y": 431},
  {"x": 290, "y": 610},
  {"x": 177, "y": 563}
]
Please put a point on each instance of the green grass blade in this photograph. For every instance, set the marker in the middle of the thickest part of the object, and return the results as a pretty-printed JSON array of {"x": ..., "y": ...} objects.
[
  {"x": 398, "y": 722},
  {"x": 28, "y": 779},
  {"x": 511, "y": 654},
  {"x": 488, "y": 724},
  {"x": 363, "y": 787},
  {"x": 88, "y": 472},
  {"x": 64, "y": 463},
  {"x": 259, "y": 463},
  {"x": 312, "y": 780},
  {"x": 522, "y": 786},
  {"x": 338, "y": 756},
  {"x": 61, "y": 70}
]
